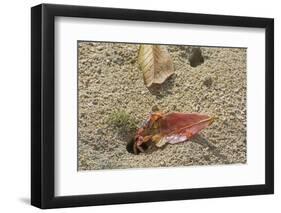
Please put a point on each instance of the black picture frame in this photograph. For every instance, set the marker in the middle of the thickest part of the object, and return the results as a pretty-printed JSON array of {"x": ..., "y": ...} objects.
[{"x": 43, "y": 102}]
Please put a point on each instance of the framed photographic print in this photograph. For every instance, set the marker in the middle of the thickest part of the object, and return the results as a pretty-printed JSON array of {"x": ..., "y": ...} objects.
[{"x": 140, "y": 106}]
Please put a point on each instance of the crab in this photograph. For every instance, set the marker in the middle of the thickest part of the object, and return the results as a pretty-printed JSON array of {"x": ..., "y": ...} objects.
[{"x": 172, "y": 128}]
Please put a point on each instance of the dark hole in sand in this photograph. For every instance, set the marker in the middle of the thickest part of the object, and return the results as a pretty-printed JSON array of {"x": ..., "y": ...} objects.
[
  {"x": 196, "y": 58},
  {"x": 130, "y": 146}
]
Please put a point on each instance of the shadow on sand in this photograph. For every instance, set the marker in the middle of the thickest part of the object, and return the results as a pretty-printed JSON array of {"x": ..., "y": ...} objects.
[{"x": 162, "y": 90}]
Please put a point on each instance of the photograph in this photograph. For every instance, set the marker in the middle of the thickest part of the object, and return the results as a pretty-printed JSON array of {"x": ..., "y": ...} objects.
[{"x": 160, "y": 105}]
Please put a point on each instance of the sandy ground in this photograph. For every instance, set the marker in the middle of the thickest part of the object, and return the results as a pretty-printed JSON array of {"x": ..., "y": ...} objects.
[{"x": 110, "y": 79}]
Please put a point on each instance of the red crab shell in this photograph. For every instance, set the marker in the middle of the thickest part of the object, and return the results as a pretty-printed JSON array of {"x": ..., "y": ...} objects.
[{"x": 173, "y": 127}]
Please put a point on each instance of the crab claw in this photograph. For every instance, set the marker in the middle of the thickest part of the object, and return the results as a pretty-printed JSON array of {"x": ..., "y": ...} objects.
[{"x": 138, "y": 148}]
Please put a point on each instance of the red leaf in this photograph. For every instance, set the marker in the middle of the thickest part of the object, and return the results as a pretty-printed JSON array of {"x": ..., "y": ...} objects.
[{"x": 178, "y": 127}]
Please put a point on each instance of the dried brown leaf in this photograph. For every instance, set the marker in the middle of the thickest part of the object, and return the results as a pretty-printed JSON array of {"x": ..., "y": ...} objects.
[{"x": 155, "y": 63}]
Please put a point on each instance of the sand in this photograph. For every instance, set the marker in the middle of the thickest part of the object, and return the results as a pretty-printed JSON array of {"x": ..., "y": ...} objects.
[{"x": 110, "y": 79}]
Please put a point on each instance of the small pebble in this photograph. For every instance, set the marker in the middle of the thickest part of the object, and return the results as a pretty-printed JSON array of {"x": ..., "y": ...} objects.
[
  {"x": 162, "y": 163},
  {"x": 155, "y": 108},
  {"x": 99, "y": 48},
  {"x": 208, "y": 81}
]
